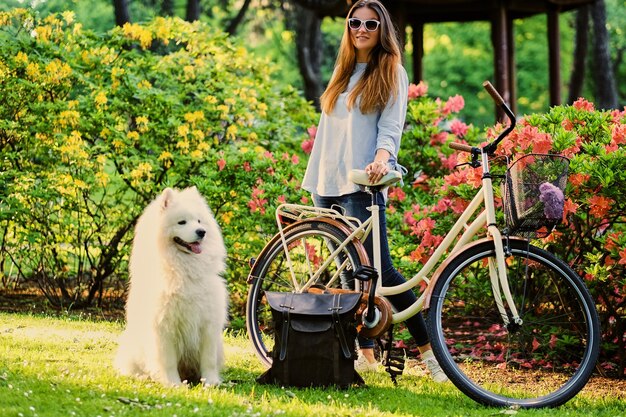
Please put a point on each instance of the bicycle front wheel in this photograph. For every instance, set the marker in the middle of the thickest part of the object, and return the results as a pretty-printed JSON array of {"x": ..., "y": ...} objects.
[
  {"x": 542, "y": 362},
  {"x": 309, "y": 245}
]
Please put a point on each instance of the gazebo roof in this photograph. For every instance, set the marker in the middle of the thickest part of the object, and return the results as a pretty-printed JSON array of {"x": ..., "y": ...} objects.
[
  {"x": 469, "y": 10},
  {"x": 500, "y": 13}
]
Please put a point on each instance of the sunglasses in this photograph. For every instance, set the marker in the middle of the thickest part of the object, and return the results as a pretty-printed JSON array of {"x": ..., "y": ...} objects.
[{"x": 370, "y": 25}]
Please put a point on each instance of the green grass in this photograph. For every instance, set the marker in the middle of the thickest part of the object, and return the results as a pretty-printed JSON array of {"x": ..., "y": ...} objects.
[{"x": 62, "y": 367}]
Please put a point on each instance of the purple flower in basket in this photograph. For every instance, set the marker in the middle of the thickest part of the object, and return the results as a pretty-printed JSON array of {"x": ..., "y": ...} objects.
[{"x": 553, "y": 199}]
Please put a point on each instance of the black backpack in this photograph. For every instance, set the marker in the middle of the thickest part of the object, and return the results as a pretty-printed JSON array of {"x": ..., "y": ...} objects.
[{"x": 314, "y": 339}]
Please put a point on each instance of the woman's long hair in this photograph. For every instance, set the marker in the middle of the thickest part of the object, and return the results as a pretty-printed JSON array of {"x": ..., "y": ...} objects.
[{"x": 380, "y": 81}]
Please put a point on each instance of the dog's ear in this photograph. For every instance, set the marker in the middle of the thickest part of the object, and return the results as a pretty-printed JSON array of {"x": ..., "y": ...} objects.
[{"x": 166, "y": 198}]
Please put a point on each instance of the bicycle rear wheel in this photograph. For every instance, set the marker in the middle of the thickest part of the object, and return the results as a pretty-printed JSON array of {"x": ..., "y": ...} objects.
[
  {"x": 543, "y": 362},
  {"x": 310, "y": 244}
]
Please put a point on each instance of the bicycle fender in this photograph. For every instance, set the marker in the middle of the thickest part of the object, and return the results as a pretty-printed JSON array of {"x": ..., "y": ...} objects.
[
  {"x": 343, "y": 227},
  {"x": 433, "y": 280}
]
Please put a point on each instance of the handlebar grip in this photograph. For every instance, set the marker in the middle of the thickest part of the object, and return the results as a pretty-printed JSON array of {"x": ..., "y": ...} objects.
[
  {"x": 494, "y": 93},
  {"x": 461, "y": 147}
]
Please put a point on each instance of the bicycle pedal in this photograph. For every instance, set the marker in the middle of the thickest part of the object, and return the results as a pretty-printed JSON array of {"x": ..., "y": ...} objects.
[{"x": 365, "y": 273}]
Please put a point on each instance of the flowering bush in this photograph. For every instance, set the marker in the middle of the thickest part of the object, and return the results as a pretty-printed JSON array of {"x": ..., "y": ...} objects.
[
  {"x": 592, "y": 237},
  {"x": 93, "y": 127}
]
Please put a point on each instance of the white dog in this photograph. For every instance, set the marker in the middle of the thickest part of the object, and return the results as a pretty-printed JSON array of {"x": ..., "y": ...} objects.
[{"x": 177, "y": 302}]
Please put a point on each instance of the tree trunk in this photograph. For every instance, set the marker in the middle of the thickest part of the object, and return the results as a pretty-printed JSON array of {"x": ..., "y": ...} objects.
[
  {"x": 167, "y": 8},
  {"x": 326, "y": 7},
  {"x": 122, "y": 14},
  {"x": 309, "y": 51},
  {"x": 577, "y": 77},
  {"x": 234, "y": 24},
  {"x": 193, "y": 10},
  {"x": 605, "y": 89}
]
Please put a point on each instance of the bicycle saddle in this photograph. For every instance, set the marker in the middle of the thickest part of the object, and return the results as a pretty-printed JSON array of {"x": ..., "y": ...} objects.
[{"x": 360, "y": 177}]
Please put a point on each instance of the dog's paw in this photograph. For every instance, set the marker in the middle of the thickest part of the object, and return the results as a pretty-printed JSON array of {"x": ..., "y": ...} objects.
[{"x": 211, "y": 381}]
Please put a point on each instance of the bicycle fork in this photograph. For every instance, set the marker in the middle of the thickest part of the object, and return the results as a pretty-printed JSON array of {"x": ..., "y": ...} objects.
[
  {"x": 500, "y": 282},
  {"x": 497, "y": 269}
]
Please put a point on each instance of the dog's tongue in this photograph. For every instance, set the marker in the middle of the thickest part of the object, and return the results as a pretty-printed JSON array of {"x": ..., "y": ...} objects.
[{"x": 195, "y": 247}]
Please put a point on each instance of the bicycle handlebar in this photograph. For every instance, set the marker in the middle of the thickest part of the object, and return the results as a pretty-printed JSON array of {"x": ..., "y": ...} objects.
[
  {"x": 490, "y": 148},
  {"x": 493, "y": 93},
  {"x": 461, "y": 147}
]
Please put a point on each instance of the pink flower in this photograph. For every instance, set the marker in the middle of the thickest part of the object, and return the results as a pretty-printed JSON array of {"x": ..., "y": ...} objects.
[
  {"x": 440, "y": 137},
  {"x": 269, "y": 155},
  {"x": 619, "y": 134},
  {"x": 307, "y": 146},
  {"x": 396, "y": 193},
  {"x": 582, "y": 104},
  {"x": 312, "y": 131},
  {"x": 257, "y": 203},
  {"x": 221, "y": 164},
  {"x": 294, "y": 159},
  {"x": 458, "y": 128},
  {"x": 418, "y": 90},
  {"x": 454, "y": 105}
]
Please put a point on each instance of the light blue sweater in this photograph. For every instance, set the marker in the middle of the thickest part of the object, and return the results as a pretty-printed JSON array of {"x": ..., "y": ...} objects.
[{"x": 347, "y": 139}]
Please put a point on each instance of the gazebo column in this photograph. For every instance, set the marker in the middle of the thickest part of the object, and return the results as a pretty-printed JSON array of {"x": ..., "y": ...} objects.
[
  {"x": 554, "y": 59},
  {"x": 417, "y": 38},
  {"x": 501, "y": 35},
  {"x": 510, "y": 39}
]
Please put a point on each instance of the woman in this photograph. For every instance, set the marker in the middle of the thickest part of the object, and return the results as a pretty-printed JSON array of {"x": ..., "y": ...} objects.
[{"x": 363, "y": 112}]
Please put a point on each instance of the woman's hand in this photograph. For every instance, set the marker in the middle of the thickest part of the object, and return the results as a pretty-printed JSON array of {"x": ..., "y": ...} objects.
[{"x": 376, "y": 170}]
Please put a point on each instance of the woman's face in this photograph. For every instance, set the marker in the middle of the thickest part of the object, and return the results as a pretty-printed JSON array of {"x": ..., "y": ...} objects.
[{"x": 362, "y": 39}]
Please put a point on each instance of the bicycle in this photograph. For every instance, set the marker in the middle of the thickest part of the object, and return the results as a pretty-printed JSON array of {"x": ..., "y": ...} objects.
[{"x": 509, "y": 323}]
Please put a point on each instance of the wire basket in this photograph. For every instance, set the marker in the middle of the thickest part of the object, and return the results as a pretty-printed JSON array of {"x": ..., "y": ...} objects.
[{"x": 534, "y": 194}]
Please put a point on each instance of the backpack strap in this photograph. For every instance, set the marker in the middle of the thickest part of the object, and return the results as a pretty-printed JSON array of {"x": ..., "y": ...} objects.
[
  {"x": 338, "y": 327},
  {"x": 285, "y": 330}
]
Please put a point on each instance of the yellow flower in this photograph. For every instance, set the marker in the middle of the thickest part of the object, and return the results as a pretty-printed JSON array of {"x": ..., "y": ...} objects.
[
  {"x": 101, "y": 159},
  {"x": 142, "y": 124},
  {"x": 166, "y": 159},
  {"x": 198, "y": 134},
  {"x": 165, "y": 155},
  {"x": 101, "y": 99},
  {"x": 143, "y": 170},
  {"x": 210, "y": 99},
  {"x": 133, "y": 135},
  {"x": 188, "y": 70},
  {"x": 103, "y": 178},
  {"x": 144, "y": 84},
  {"x": 197, "y": 154},
  {"x": 21, "y": 57},
  {"x": 68, "y": 16},
  {"x": 231, "y": 132},
  {"x": 227, "y": 217},
  {"x": 183, "y": 130},
  {"x": 57, "y": 71},
  {"x": 118, "y": 144},
  {"x": 195, "y": 116},
  {"x": 32, "y": 71},
  {"x": 183, "y": 145},
  {"x": 203, "y": 146},
  {"x": 68, "y": 118}
]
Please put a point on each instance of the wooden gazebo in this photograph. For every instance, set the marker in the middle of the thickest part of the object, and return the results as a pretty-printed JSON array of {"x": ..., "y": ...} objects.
[{"x": 501, "y": 14}]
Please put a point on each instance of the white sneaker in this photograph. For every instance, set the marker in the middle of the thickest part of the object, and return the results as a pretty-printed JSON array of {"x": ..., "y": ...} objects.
[
  {"x": 436, "y": 373},
  {"x": 361, "y": 364}
]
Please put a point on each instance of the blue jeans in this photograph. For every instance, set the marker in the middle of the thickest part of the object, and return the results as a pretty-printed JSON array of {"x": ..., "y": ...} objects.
[{"x": 355, "y": 205}]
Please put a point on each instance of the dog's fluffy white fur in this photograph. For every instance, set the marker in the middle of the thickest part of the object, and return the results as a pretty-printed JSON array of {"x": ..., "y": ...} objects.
[{"x": 177, "y": 302}]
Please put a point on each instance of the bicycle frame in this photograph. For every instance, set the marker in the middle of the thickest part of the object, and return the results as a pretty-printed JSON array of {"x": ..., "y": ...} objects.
[{"x": 487, "y": 216}]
